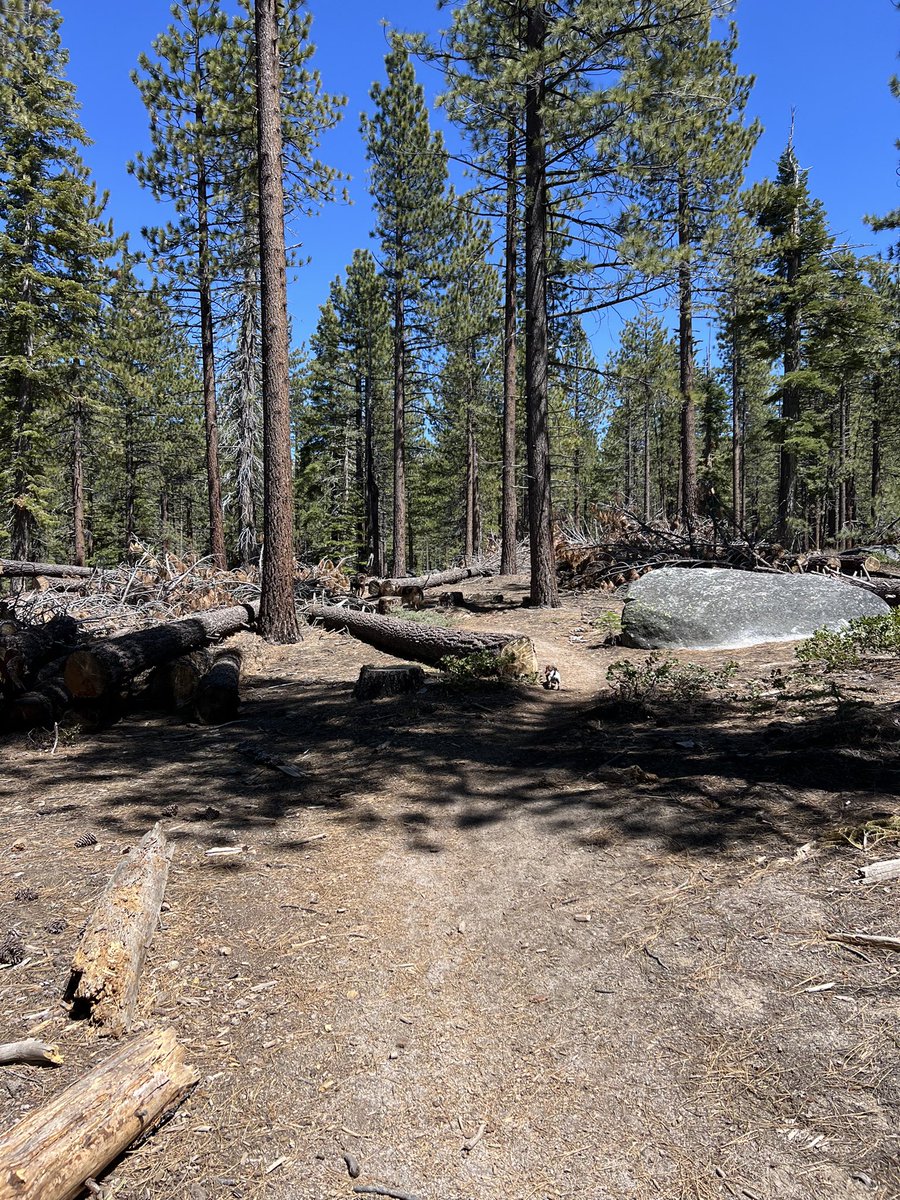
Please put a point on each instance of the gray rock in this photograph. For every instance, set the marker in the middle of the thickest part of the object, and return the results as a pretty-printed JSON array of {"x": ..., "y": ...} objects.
[
  {"x": 889, "y": 553},
  {"x": 707, "y": 609}
]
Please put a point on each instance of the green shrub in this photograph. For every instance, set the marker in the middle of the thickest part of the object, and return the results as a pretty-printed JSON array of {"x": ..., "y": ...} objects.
[
  {"x": 665, "y": 679},
  {"x": 842, "y": 649}
]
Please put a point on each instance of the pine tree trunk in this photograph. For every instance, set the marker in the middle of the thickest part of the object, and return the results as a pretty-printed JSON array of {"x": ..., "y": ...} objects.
[
  {"x": 544, "y": 591},
  {"x": 247, "y": 425},
  {"x": 22, "y": 521},
  {"x": 647, "y": 429},
  {"x": 78, "y": 542},
  {"x": 737, "y": 437},
  {"x": 843, "y": 422},
  {"x": 399, "y": 522},
  {"x": 790, "y": 398},
  {"x": 508, "y": 502},
  {"x": 373, "y": 497},
  {"x": 130, "y": 497},
  {"x": 277, "y": 615},
  {"x": 629, "y": 453},
  {"x": 686, "y": 365},
  {"x": 875, "y": 481},
  {"x": 210, "y": 416}
]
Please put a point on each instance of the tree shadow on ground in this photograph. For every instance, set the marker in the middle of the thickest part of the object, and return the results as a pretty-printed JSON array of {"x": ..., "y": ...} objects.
[{"x": 460, "y": 759}]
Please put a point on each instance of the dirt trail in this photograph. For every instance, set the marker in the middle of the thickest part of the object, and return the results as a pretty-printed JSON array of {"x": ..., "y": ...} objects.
[{"x": 492, "y": 916}]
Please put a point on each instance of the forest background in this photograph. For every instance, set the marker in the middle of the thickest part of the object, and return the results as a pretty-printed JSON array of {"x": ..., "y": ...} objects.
[{"x": 788, "y": 362}]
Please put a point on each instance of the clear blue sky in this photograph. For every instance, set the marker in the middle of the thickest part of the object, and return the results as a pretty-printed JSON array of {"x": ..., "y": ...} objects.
[{"x": 829, "y": 59}]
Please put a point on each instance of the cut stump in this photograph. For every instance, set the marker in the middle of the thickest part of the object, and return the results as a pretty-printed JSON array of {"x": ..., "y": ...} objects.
[{"x": 375, "y": 682}]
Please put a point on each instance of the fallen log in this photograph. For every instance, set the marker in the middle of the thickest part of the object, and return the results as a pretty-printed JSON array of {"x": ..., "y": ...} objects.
[
  {"x": 514, "y": 653},
  {"x": 30, "y": 1051},
  {"x": 394, "y": 587},
  {"x": 17, "y": 569},
  {"x": 218, "y": 692},
  {"x": 174, "y": 684},
  {"x": 881, "y": 872},
  {"x": 887, "y": 589},
  {"x": 25, "y": 649},
  {"x": 104, "y": 669},
  {"x": 52, "y": 1152},
  {"x": 107, "y": 964}
]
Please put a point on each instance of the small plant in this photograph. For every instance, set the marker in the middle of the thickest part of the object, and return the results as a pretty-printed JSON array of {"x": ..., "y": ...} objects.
[
  {"x": 483, "y": 664},
  {"x": 609, "y": 623},
  {"x": 422, "y": 617},
  {"x": 842, "y": 649},
  {"x": 665, "y": 679}
]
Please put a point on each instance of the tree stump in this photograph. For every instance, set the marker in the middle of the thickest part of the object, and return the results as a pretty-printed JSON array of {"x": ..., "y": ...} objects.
[
  {"x": 218, "y": 692},
  {"x": 375, "y": 682}
]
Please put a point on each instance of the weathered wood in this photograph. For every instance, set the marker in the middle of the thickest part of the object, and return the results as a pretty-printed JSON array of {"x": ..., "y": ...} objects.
[
  {"x": 881, "y": 872},
  {"x": 174, "y": 684},
  {"x": 218, "y": 692},
  {"x": 375, "y": 682},
  {"x": 429, "y": 643},
  {"x": 887, "y": 589},
  {"x": 394, "y": 587},
  {"x": 16, "y": 569},
  {"x": 30, "y": 1051},
  {"x": 874, "y": 940},
  {"x": 105, "y": 668},
  {"x": 106, "y": 967},
  {"x": 51, "y": 1152}
]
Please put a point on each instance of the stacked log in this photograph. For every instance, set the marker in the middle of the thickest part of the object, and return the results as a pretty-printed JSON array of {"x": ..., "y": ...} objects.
[
  {"x": 394, "y": 587},
  {"x": 218, "y": 692}
]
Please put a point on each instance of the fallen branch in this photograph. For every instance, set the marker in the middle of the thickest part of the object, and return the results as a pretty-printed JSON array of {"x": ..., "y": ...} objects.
[
  {"x": 30, "y": 1051},
  {"x": 51, "y": 1153},
  {"x": 376, "y": 1189},
  {"x": 107, "y": 964},
  {"x": 881, "y": 872},
  {"x": 866, "y": 939},
  {"x": 17, "y": 569}
]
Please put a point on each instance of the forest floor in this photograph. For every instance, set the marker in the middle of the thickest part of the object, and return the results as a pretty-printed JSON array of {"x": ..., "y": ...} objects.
[{"x": 498, "y": 943}]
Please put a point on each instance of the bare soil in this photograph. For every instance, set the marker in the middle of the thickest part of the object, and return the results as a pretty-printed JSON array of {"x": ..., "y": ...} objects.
[{"x": 495, "y": 942}]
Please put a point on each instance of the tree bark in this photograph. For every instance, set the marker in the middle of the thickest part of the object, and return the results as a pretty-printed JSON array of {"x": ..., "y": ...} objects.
[
  {"x": 686, "y": 365},
  {"x": 427, "y": 643},
  {"x": 277, "y": 613},
  {"x": 17, "y": 569},
  {"x": 393, "y": 587},
  {"x": 78, "y": 540},
  {"x": 218, "y": 692},
  {"x": 737, "y": 434},
  {"x": 399, "y": 524},
  {"x": 373, "y": 496},
  {"x": 104, "y": 669},
  {"x": 790, "y": 397},
  {"x": 50, "y": 1153},
  {"x": 544, "y": 591},
  {"x": 207, "y": 352},
  {"x": 508, "y": 501},
  {"x": 107, "y": 964}
]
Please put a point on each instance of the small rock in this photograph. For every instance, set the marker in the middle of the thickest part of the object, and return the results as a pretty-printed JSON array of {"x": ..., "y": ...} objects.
[{"x": 225, "y": 951}]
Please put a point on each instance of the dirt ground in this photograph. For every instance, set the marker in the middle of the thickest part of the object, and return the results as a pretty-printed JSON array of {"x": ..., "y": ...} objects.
[{"x": 497, "y": 943}]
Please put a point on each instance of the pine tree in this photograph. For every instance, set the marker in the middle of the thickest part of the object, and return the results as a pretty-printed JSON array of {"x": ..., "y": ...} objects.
[
  {"x": 53, "y": 243},
  {"x": 576, "y": 404},
  {"x": 688, "y": 152},
  {"x": 408, "y": 178}
]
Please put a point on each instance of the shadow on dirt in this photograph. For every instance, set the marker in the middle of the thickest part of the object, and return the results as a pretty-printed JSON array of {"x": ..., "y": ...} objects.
[{"x": 452, "y": 758}]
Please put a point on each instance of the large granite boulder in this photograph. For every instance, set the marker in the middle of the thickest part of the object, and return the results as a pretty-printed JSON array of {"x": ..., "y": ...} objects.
[{"x": 711, "y": 608}]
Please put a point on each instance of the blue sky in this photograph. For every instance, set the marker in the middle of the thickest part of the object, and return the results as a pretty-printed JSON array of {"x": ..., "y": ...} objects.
[{"x": 827, "y": 58}]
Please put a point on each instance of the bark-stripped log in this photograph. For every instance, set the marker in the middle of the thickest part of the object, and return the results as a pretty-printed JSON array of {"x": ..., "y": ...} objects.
[
  {"x": 105, "y": 668},
  {"x": 32, "y": 1051},
  {"x": 218, "y": 692},
  {"x": 50, "y": 1153},
  {"x": 428, "y": 643},
  {"x": 887, "y": 589},
  {"x": 393, "y": 587},
  {"x": 106, "y": 967}
]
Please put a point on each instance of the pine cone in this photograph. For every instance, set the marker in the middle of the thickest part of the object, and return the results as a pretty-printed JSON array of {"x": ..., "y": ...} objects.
[
  {"x": 25, "y": 894},
  {"x": 86, "y": 839}
]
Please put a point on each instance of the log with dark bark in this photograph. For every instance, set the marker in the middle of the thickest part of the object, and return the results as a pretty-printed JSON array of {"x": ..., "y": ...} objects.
[
  {"x": 51, "y": 1152},
  {"x": 174, "y": 684},
  {"x": 106, "y": 668},
  {"x": 16, "y": 569},
  {"x": 375, "y": 682},
  {"x": 218, "y": 692},
  {"x": 394, "y": 587},
  {"x": 429, "y": 643},
  {"x": 24, "y": 649},
  {"x": 887, "y": 589},
  {"x": 106, "y": 967}
]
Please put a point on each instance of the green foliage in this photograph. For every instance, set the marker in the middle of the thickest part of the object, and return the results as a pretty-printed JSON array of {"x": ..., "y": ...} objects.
[
  {"x": 844, "y": 649},
  {"x": 659, "y": 680}
]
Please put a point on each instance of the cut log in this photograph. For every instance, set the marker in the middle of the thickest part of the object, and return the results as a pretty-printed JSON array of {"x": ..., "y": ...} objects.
[
  {"x": 430, "y": 643},
  {"x": 174, "y": 685},
  {"x": 375, "y": 682},
  {"x": 451, "y": 600},
  {"x": 25, "y": 649},
  {"x": 412, "y": 597},
  {"x": 52, "y": 1152},
  {"x": 106, "y": 967},
  {"x": 394, "y": 587},
  {"x": 218, "y": 692},
  {"x": 16, "y": 569},
  {"x": 887, "y": 589},
  {"x": 30, "y": 1051},
  {"x": 104, "y": 669}
]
